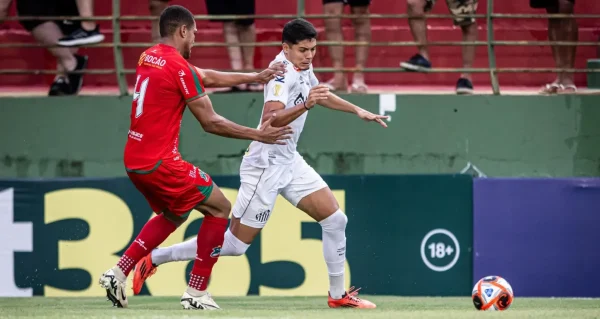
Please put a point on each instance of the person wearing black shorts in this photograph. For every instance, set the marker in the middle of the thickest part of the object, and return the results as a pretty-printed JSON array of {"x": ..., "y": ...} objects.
[
  {"x": 89, "y": 30},
  {"x": 48, "y": 32},
  {"x": 4, "y": 6},
  {"x": 362, "y": 32},
  {"x": 237, "y": 31},
  {"x": 156, "y": 8},
  {"x": 560, "y": 30},
  {"x": 421, "y": 62},
  {"x": 234, "y": 31}
]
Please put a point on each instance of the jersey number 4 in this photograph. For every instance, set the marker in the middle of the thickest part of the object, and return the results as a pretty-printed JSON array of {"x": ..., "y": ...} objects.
[{"x": 138, "y": 96}]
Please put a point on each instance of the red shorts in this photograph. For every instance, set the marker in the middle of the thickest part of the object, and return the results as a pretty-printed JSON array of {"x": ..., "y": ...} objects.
[{"x": 177, "y": 186}]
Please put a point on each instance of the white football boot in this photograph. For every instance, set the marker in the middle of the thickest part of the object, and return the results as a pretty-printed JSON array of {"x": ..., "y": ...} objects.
[
  {"x": 204, "y": 302},
  {"x": 115, "y": 288}
]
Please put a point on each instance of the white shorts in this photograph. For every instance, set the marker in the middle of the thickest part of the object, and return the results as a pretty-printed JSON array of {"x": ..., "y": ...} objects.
[{"x": 260, "y": 186}]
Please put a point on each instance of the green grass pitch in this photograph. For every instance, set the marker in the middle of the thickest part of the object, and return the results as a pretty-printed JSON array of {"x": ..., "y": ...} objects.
[{"x": 294, "y": 307}]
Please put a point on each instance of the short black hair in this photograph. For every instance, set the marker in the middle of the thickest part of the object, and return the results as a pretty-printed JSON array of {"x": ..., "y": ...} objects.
[
  {"x": 174, "y": 17},
  {"x": 298, "y": 30}
]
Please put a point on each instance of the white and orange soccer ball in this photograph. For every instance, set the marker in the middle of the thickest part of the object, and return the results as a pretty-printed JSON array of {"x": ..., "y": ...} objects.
[{"x": 492, "y": 293}]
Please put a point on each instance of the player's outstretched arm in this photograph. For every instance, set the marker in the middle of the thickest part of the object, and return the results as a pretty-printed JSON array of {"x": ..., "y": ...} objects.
[
  {"x": 212, "y": 78},
  {"x": 283, "y": 116},
  {"x": 335, "y": 102},
  {"x": 216, "y": 124},
  {"x": 286, "y": 116}
]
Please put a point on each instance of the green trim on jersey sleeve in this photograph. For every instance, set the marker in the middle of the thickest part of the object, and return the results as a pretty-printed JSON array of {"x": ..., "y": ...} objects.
[
  {"x": 199, "y": 88},
  {"x": 195, "y": 98}
]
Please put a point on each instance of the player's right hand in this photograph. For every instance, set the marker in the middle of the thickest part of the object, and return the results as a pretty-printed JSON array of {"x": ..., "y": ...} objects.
[
  {"x": 274, "y": 135},
  {"x": 276, "y": 69},
  {"x": 316, "y": 94}
]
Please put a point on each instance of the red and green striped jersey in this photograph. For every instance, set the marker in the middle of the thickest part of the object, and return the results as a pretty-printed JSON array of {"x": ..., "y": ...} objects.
[{"x": 165, "y": 82}]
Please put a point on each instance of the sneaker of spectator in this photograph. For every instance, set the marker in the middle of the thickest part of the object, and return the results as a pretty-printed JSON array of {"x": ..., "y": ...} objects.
[
  {"x": 420, "y": 62},
  {"x": 88, "y": 32},
  {"x": 48, "y": 32}
]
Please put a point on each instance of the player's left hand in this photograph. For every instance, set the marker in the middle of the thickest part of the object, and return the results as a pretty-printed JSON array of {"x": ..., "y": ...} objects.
[
  {"x": 276, "y": 69},
  {"x": 370, "y": 117}
]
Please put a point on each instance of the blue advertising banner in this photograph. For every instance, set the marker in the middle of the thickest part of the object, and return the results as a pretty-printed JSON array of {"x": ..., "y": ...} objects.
[{"x": 542, "y": 235}]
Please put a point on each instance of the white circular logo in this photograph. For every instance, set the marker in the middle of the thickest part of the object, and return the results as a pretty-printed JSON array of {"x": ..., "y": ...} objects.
[{"x": 441, "y": 250}]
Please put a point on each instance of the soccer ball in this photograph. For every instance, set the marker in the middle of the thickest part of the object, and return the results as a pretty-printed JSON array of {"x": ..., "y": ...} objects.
[{"x": 492, "y": 293}]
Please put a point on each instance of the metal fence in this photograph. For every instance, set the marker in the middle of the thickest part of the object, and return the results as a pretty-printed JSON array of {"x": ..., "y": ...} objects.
[{"x": 120, "y": 71}]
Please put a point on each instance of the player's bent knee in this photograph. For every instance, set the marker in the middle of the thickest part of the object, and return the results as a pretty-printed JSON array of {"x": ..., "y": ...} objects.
[
  {"x": 218, "y": 212},
  {"x": 218, "y": 206},
  {"x": 221, "y": 214},
  {"x": 223, "y": 210},
  {"x": 336, "y": 222},
  {"x": 232, "y": 246},
  {"x": 174, "y": 218}
]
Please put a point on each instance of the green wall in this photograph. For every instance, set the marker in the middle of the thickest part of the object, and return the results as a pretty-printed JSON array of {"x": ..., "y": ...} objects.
[{"x": 501, "y": 136}]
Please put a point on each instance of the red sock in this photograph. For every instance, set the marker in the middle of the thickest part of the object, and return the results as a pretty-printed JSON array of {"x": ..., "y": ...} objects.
[
  {"x": 209, "y": 241},
  {"x": 153, "y": 234}
]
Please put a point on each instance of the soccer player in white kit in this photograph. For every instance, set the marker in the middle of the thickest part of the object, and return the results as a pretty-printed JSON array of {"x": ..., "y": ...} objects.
[{"x": 269, "y": 170}]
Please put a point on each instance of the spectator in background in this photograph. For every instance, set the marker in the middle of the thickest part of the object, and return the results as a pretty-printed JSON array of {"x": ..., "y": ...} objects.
[
  {"x": 418, "y": 27},
  {"x": 362, "y": 32},
  {"x": 156, "y": 8},
  {"x": 48, "y": 32},
  {"x": 88, "y": 31},
  {"x": 4, "y": 5},
  {"x": 560, "y": 29},
  {"x": 234, "y": 31},
  {"x": 237, "y": 31}
]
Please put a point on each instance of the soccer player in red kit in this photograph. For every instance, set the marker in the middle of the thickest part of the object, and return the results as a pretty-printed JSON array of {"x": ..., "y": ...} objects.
[{"x": 165, "y": 84}]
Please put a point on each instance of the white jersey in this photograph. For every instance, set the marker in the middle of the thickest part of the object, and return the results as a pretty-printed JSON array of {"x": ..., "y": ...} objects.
[{"x": 291, "y": 89}]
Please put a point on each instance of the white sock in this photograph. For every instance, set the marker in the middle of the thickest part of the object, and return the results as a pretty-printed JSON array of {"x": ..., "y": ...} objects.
[
  {"x": 334, "y": 251},
  {"x": 232, "y": 246},
  {"x": 178, "y": 252},
  {"x": 336, "y": 286},
  {"x": 119, "y": 274},
  {"x": 195, "y": 292},
  {"x": 186, "y": 250}
]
